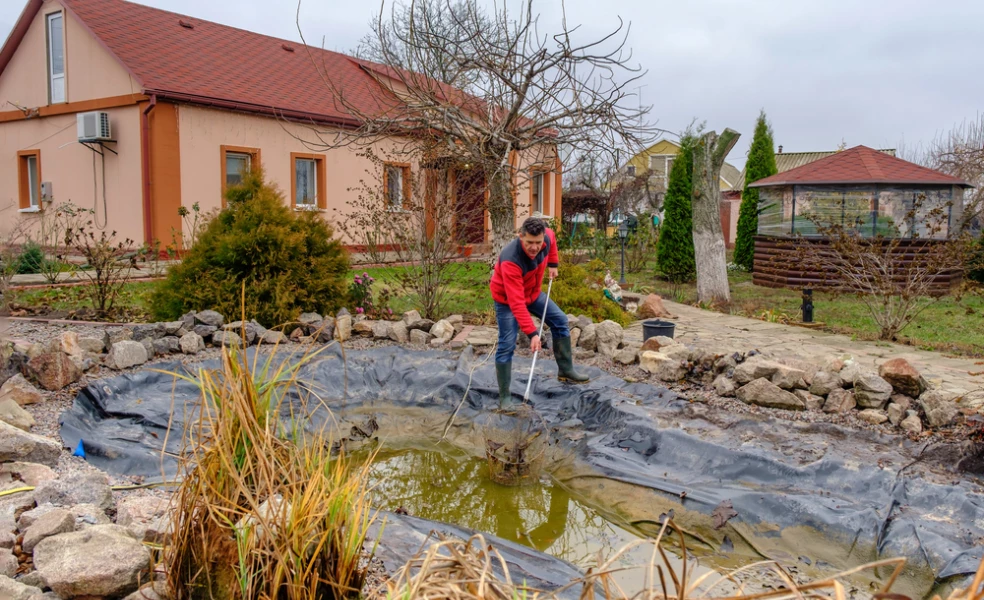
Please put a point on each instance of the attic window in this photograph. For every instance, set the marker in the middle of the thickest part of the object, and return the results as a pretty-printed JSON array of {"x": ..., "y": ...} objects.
[
  {"x": 185, "y": 24},
  {"x": 287, "y": 47}
]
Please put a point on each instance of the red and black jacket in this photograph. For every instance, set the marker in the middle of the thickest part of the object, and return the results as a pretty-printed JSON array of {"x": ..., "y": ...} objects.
[{"x": 518, "y": 279}]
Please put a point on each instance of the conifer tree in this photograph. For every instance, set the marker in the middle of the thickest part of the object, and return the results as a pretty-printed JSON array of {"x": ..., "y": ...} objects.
[
  {"x": 761, "y": 164},
  {"x": 675, "y": 253}
]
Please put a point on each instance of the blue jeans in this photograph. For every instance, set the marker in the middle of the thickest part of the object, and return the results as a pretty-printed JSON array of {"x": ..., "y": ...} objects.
[{"x": 508, "y": 326}]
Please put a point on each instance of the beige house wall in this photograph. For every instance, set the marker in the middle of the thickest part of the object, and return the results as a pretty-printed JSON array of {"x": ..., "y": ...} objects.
[
  {"x": 68, "y": 165},
  {"x": 91, "y": 72}
]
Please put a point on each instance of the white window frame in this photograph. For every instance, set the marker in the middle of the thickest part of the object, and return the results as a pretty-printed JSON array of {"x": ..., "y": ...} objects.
[
  {"x": 312, "y": 201},
  {"x": 249, "y": 164},
  {"x": 56, "y": 81},
  {"x": 538, "y": 193},
  {"x": 32, "y": 186},
  {"x": 399, "y": 203},
  {"x": 669, "y": 165}
]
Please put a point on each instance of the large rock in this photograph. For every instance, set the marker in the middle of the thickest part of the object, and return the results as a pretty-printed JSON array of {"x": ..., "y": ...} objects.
[
  {"x": 84, "y": 488},
  {"x": 323, "y": 331},
  {"x": 167, "y": 345},
  {"x": 871, "y": 391},
  {"x": 343, "y": 327},
  {"x": 789, "y": 378},
  {"x": 364, "y": 326},
  {"x": 227, "y": 339},
  {"x": 652, "y": 307},
  {"x": 810, "y": 369},
  {"x": 662, "y": 366},
  {"x": 575, "y": 336},
  {"x": 627, "y": 356},
  {"x": 849, "y": 373},
  {"x": 191, "y": 343},
  {"x": 17, "y": 474},
  {"x": 12, "y": 414},
  {"x": 175, "y": 328},
  {"x": 68, "y": 344},
  {"x": 410, "y": 317},
  {"x": 419, "y": 337},
  {"x": 762, "y": 392},
  {"x": 272, "y": 336},
  {"x": 88, "y": 515},
  {"x": 209, "y": 318},
  {"x": 755, "y": 368},
  {"x": 203, "y": 330},
  {"x": 724, "y": 386},
  {"x": 15, "y": 590},
  {"x": 873, "y": 416},
  {"x": 825, "y": 382},
  {"x": 105, "y": 560},
  {"x": 381, "y": 329},
  {"x": 247, "y": 331},
  {"x": 151, "y": 331},
  {"x": 839, "y": 401},
  {"x": 146, "y": 517},
  {"x": 92, "y": 345},
  {"x": 398, "y": 332},
  {"x": 8, "y": 565},
  {"x": 20, "y": 390},
  {"x": 51, "y": 523},
  {"x": 912, "y": 424},
  {"x": 421, "y": 325},
  {"x": 895, "y": 413},
  {"x": 116, "y": 334},
  {"x": 17, "y": 445},
  {"x": 903, "y": 377},
  {"x": 126, "y": 354},
  {"x": 443, "y": 330},
  {"x": 811, "y": 401},
  {"x": 939, "y": 407},
  {"x": 589, "y": 337},
  {"x": 54, "y": 370},
  {"x": 30, "y": 517},
  {"x": 677, "y": 352},
  {"x": 609, "y": 334},
  {"x": 654, "y": 343}
]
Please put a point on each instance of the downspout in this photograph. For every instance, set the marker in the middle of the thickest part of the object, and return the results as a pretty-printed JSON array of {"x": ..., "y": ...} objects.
[{"x": 145, "y": 167}]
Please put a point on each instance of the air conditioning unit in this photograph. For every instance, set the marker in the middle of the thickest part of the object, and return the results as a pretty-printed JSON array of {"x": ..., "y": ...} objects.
[{"x": 94, "y": 127}]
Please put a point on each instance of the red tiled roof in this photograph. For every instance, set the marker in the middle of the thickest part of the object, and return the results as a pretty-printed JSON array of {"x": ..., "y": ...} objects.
[{"x": 857, "y": 165}]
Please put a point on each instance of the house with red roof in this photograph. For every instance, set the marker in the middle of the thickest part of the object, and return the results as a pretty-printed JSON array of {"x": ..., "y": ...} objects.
[
  {"x": 136, "y": 112},
  {"x": 865, "y": 191}
]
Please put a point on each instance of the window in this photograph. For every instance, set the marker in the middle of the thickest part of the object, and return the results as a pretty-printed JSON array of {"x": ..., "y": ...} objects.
[
  {"x": 56, "y": 59},
  {"x": 236, "y": 161},
  {"x": 308, "y": 184},
  {"x": 669, "y": 165},
  {"x": 396, "y": 181},
  {"x": 537, "y": 191},
  {"x": 29, "y": 179},
  {"x": 630, "y": 170}
]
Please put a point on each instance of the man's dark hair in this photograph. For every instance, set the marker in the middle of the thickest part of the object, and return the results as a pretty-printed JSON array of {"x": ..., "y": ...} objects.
[{"x": 533, "y": 226}]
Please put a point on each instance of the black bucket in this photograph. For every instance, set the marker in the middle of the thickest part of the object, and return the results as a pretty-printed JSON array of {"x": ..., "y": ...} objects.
[{"x": 655, "y": 327}]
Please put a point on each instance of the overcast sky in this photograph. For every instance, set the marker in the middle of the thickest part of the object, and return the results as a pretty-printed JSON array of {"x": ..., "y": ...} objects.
[{"x": 872, "y": 72}]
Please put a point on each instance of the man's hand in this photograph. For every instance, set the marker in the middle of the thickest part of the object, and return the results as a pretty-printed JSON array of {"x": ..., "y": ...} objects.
[
  {"x": 535, "y": 344},
  {"x": 552, "y": 272}
]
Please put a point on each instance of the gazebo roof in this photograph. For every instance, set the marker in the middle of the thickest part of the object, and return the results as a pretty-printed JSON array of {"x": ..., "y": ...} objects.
[{"x": 860, "y": 165}]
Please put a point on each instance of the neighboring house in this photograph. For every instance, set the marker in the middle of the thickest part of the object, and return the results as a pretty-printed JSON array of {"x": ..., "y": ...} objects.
[
  {"x": 658, "y": 160},
  {"x": 177, "y": 108},
  {"x": 786, "y": 161}
]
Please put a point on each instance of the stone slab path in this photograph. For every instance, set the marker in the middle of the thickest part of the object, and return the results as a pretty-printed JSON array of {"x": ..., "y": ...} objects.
[{"x": 710, "y": 329}]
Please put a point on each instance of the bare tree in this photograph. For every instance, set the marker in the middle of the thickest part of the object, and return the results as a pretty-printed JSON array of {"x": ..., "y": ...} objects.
[
  {"x": 709, "y": 248},
  {"x": 531, "y": 93}
]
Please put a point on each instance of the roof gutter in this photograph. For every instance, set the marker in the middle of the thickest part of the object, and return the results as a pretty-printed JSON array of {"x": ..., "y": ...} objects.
[
  {"x": 957, "y": 183},
  {"x": 145, "y": 167},
  {"x": 292, "y": 115}
]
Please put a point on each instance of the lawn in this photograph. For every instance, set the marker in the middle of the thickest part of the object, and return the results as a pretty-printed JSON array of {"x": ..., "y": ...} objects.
[
  {"x": 469, "y": 295},
  {"x": 72, "y": 302}
]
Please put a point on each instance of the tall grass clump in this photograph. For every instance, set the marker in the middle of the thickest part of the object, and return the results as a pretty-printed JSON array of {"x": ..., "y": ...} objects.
[{"x": 258, "y": 513}]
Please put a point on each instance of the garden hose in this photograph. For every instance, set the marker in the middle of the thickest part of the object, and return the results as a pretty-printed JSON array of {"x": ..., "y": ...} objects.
[{"x": 115, "y": 488}]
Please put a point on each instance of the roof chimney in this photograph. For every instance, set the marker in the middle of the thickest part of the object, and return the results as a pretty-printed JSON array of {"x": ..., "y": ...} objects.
[
  {"x": 780, "y": 148},
  {"x": 185, "y": 24}
]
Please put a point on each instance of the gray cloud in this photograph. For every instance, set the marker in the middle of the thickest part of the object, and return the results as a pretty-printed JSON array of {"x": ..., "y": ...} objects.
[{"x": 871, "y": 72}]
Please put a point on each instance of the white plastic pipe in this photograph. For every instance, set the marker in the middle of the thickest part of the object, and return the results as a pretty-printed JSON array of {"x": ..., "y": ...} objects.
[{"x": 543, "y": 321}]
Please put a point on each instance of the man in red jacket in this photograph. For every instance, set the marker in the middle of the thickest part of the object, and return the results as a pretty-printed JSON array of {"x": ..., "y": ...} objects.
[{"x": 517, "y": 290}]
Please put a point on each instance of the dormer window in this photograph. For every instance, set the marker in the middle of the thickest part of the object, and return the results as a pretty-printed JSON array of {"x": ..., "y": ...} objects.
[{"x": 56, "y": 58}]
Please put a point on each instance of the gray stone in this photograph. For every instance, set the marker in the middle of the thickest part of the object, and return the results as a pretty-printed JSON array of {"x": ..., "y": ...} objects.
[
  {"x": 904, "y": 401},
  {"x": 309, "y": 318},
  {"x": 457, "y": 321},
  {"x": 677, "y": 352},
  {"x": 189, "y": 320},
  {"x": 167, "y": 345},
  {"x": 205, "y": 331},
  {"x": 662, "y": 366},
  {"x": 152, "y": 331},
  {"x": 54, "y": 370},
  {"x": 146, "y": 517},
  {"x": 53, "y": 522},
  {"x": 12, "y": 414},
  {"x": 127, "y": 354},
  {"x": 104, "y": 560},
  {"x": 789, "y": 378},
  {"x": 762, "y": 392},
  {"x": 18, "y": 474},
  {"x": 15, "y": 590},
  {"x": 210, "y": 318},
  {"x": 147, "y": 592},
  {"x": 88, "y": 515},
  {"x": 260, "y": 330},
  {"x": 30, "y": 517},
  {"x": 849, "y": 373},
  {"x": 811, "y": 401},
  {"x": 443, "y": 330},
  {"x": 8, "y": 563},
  {"x": 810, "y": 369},
  {"x": 420, "y": 338},
  {"x": 481, "y": 339},
  {"x": 871, "y": 391},
  {"x": 34, "y": 579},
  {"x": 754, "y": 368},
  {"x": 825, "y": 382},
  {"x": 839, "y": 401},
  {"x": 873, "y": 415},
  {"x": 7, "y": 540},
  {"x": 148, "y": 345},
  {"x": 272, "y": 336},
  {"x": 724, "y": 386},
  {"x": 589, "y": 337},
  {"x": 895, "y": 413},
  {"x": 421, "y": 324},
  {"x": 398, "y": 332},
  {"x": 18, "y": 445},
  {"x": 21, "y": 390},
  {"x": 175, "y": 328},
  {"x": 436, "y": 343},
  {"x": 627, "y": 356},
  {"x": 83, "y": 488},
  {"x": 363, "y": 326},
  {"x": 575, "y": 336},
  {"x": 410, "y": 317},
  {"x": 939, "y": 408},
  {"x": 227, "y": 339},
  {"x": 583, "y": 321},
  {"x": 911, "y": 424},
  {"x": 343, "y": 327},
  {"x": 191, "y": 343},
  {"x": 725, "y": 363},
  {"x": 903, "y": 377},
  {"x": 246, "y": 331},
  {"x": 93, "y": 345},
  {"x": 116, "y": 334},
  {"x": 381, "y": 329}
]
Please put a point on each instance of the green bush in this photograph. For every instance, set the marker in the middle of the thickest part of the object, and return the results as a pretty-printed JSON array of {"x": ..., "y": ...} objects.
[
  {"x": 675, "y": 251},
  {"x": 976, "y": 272},
  {"x": 573, "y": 293},
  {"x": 761, "y": 164},
  {"x": 31, "y": 259},
  {"x": 280, "y": 261}
]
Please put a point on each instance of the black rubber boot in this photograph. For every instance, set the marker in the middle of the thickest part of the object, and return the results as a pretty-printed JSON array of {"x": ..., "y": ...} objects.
[
  {"x": 503, "y": 372},
  {"x": 565, "y": 361}
]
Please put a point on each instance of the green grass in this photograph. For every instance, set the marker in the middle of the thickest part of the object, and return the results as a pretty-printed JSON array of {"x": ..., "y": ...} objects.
[
  {"x": 133, "y": 303},
  {"x": 469, "y": 295}
]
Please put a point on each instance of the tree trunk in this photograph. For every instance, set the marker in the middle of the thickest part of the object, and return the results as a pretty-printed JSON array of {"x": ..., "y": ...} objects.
[
  {"x": 709, "y": 249},
  {"x": 502, "y": 213}
]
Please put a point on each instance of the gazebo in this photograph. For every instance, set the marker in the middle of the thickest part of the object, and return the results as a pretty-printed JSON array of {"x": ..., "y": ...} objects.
[{"x": 865, "y": 191}]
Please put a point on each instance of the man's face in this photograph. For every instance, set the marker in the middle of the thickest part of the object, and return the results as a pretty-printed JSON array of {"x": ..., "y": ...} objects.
[{"x": 532, "y": 244}]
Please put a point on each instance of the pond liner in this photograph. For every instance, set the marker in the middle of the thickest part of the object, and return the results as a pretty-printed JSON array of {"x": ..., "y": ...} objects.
[{"x": 857, "y": 487}]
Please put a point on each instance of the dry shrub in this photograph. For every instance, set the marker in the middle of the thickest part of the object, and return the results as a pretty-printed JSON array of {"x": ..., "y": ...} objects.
[{"x": 259, "y": 514}]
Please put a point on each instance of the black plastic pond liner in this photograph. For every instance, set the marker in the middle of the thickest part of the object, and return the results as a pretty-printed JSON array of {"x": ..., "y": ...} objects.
[{"x": 854, "y": 486}]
